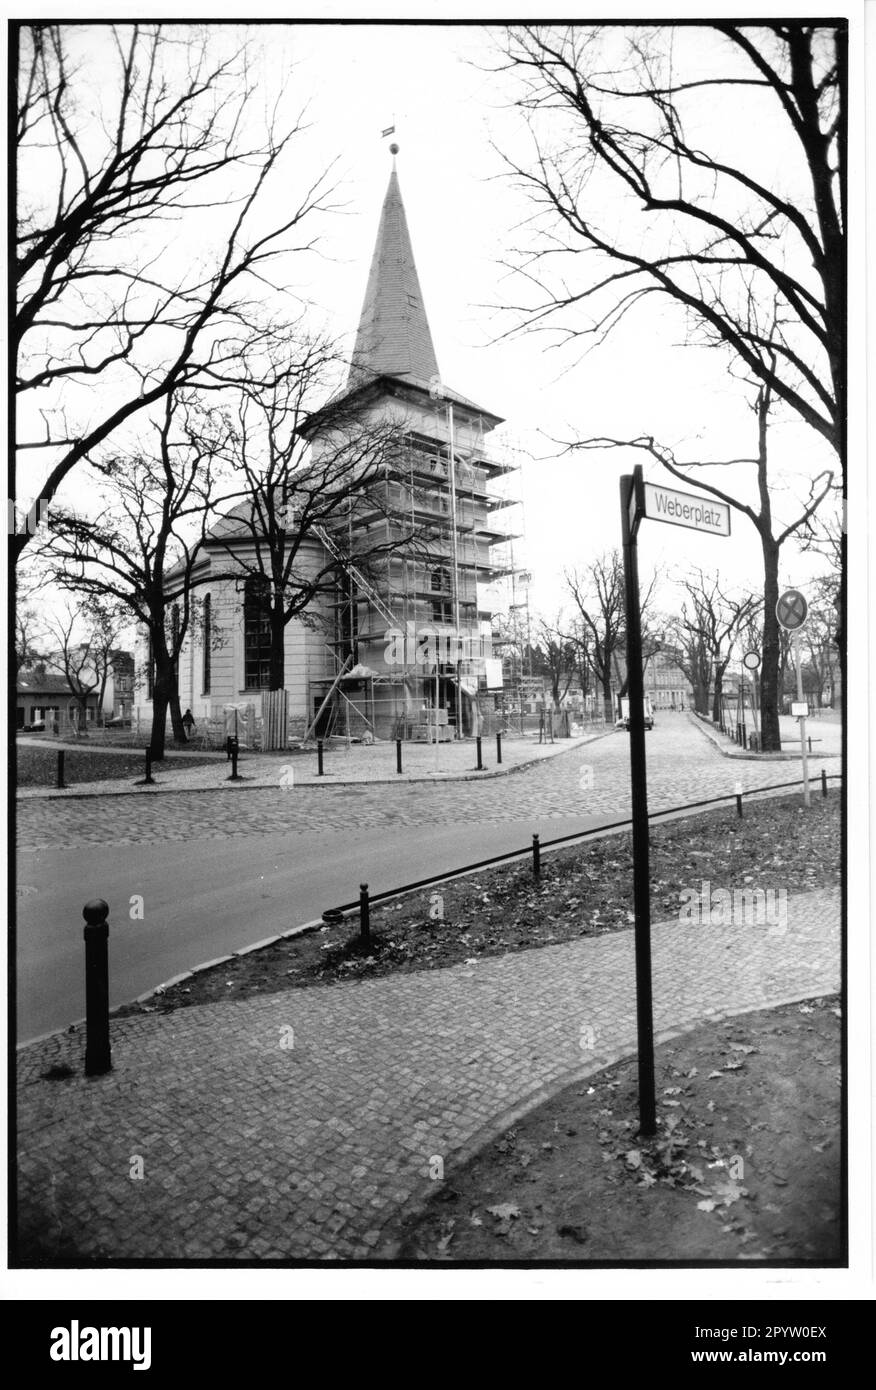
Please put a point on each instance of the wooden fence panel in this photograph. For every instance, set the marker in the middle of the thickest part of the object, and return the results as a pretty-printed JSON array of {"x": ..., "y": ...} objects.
[{"x": 274, "y": 714}]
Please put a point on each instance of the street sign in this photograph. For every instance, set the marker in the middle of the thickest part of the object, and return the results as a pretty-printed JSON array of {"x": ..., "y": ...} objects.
[
  {"x": 792, "y": 610},
  {"x": 687, "y": 509},
  {"x": 751, "y": 661},
  {"x": 800, "y": 709}
]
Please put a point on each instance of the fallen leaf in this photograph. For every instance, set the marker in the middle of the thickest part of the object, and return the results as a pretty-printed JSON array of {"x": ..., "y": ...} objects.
[
  {"x": 706, "y": 1205},
  {"x": 505, "y": 1211}
]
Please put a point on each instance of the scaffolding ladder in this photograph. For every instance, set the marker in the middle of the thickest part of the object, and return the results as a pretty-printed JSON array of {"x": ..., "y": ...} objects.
[{"x": 366, "y": 588}]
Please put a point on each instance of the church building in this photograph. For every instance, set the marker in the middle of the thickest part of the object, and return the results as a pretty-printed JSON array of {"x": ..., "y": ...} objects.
[{"x": 406, "y": 651}]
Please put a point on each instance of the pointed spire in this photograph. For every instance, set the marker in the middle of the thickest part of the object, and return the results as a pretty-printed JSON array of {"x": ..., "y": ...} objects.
[{"x": 393, "y": 337}]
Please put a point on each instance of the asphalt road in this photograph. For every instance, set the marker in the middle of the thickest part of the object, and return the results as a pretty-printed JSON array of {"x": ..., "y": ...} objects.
[
  {"x": 204, "y": 899},
  {"x": 217, "y": 872}
]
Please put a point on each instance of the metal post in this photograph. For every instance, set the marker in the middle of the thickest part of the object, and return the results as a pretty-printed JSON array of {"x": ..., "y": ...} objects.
[
  {"x": 823, "y": 782},
  {"x": 398, "y": 755},
  {"x": 97, "y": 1042},
  {"x": 498, "y": 748},
  {"x": 61, "y": 782},
  {"x": 803, "y": 754},
  {"x": 364, "y": 913},
  {"x": 149, "y": 778},
  {"x": 234, "y": 750},
  {"x": 739, "y": 800},
  {"x": 478, "y": 744},
  {"x": 631, "y": 487},
  {"x": 536, "y": 857},
  {"x": 319, "y": 771}
]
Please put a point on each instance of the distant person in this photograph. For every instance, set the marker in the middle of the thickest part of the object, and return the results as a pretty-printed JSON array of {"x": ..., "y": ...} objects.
[{"x": 188, "y": 721}]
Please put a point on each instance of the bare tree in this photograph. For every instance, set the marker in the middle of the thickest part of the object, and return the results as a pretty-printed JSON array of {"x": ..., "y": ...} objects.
[
  {"x": 691, "y": 656},
  {"x": 86, "y": 637},
  {"x": 554, "y": 658},
  {"x": 619, "y": 173},
  {"x": 124, "y": 133},
  {"x": 315, "y": 510},
  {"x": 142, "y": 549},
  {"x": 30, "y": 637},
  {"x": 599, "y": 597},
  {"x": 819, "y": 638},
  {"x": 761, "y": 517},
  {"x": 712, "y": 619}
]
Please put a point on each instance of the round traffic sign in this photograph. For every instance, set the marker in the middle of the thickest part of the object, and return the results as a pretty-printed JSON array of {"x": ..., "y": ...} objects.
[
  {"x": 792, "y": 610},
  {"x": 751, "y": 660}
]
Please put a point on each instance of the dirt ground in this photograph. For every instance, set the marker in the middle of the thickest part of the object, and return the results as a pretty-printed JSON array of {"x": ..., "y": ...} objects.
[
  {"x": 585, "y": 890},
  {"x": 745, "y": 1166}
]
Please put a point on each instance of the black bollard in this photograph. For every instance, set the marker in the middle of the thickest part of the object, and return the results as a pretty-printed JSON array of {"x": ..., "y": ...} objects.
[
  {"x": 823, "y": 782},
  {"x": 96, "y": 933},
  {"x": 480, "y": 767},
  {"x": 536, "y": 857},
  {"x": 739, "y": 805},
  {"x": 398, "y": 756},
  {"x": 319, "y": 771},
  {"x": 809, "y": 741},
  {"x": 234, "y": 777},
  {"x": 498, "y": 748},
  {"x": 149, "y": 778},
  {"x": 364, "y": 913},
  {"x": 61, "y": 782}
]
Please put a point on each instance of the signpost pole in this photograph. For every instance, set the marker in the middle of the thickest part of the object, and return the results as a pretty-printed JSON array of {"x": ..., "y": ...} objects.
[
  {"x": 802, "y": 719},
  {"x": 630, "y": 491}
]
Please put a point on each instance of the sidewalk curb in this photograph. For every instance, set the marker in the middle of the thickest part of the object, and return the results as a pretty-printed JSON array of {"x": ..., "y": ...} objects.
[
  {"x": 742, "y": 755},
  {"x": 163, "y": 789}
]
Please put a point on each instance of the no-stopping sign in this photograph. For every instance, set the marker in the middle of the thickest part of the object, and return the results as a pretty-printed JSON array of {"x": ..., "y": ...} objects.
[{"x": 792, "y": 610}]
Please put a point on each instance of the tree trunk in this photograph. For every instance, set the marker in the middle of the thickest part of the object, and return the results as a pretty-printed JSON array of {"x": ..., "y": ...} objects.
[
  {"x": 278, "y": 651},
  {"x": 160, "y": 701},
  {"x": 165, "y": 697},
  {"x": 179, "y": 728},
  {"x": 718, "y": 693},
  {"x": 770, "y": 694},
  {"x": 606, "y": 698}
]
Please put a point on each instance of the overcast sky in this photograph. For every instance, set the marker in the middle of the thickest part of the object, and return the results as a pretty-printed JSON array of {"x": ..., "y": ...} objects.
[{"x": 452, "y": 116}]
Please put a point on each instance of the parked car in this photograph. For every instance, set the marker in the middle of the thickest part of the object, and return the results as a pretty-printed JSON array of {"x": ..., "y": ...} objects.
[
  {"x": 38, "y": 727},
  {"x": 120, "y": 722}
]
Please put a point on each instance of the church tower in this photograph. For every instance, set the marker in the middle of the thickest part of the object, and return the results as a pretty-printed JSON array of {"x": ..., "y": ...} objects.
[{"x": 412, "y": 638}]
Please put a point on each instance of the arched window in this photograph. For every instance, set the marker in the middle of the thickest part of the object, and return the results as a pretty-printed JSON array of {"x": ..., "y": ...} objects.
[
  {"x": 256, "y": 633},
  {"x": 207, "y": 635}
]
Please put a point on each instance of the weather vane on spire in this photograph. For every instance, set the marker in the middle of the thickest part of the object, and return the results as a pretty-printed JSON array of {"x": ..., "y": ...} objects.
[{"x": 390, "y": 130}]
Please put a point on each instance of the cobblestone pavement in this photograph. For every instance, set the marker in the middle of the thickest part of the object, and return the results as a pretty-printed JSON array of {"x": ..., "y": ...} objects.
[
  {"x": 342, "y": 765},
  {"x": 592, "y": 779},
  {"x": 297, "y": 1125}
]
